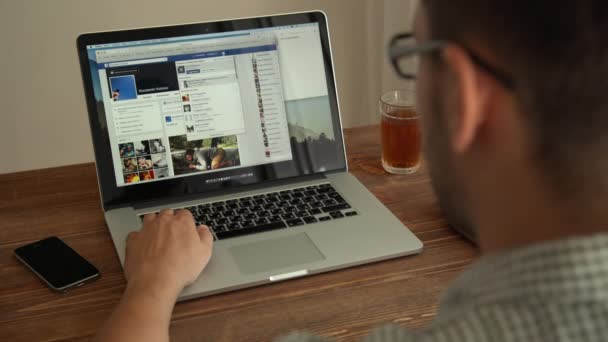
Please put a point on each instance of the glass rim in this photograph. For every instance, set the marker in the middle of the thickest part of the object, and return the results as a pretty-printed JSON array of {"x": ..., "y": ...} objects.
[
  {"x": 407, "y": 91},
  {"x": 411, "y": 106}
]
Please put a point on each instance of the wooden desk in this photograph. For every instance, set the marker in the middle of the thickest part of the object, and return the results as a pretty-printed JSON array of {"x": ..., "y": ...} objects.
[{"x": 343, "y": 304}]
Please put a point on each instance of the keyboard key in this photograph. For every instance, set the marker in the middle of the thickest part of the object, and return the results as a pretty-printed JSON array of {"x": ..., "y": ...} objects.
[
  {"x": 275, "y": 218},
  {"x": 323, "y": 190},
  {"x": 236, "y": 219},
  {"x": 232, "y": 206},
  {"x": 215, "y": 204},
  {"x": 329, "y": 202},
  {"x": 339, "y": 199},
  {"x": 245, "y": 204},
  {"x": 219, "y": 228},
  {"x": 336, "y": 207},
  {"x": 314, "y": 211},
  {"x": 251, "y": 230},
  {"x": 219, "y": 209},
  {"x": 321, "y": 197},
  {"x": 233, "y": 226},
  {"x": 295, "y": 222},
  {"x": 250, "y": 216},
  {"x": 242, "y": 211},
  {"x": 351, "y": 213},
  {"x": 232, "y": 201},
  {"x": 336, "y": 214},
  {"x": 285, "y": 197},
  {"x": 303, "y": 206},
  {"x": 259, "y": 201},
  {"x": 297, "y": 195},
  {"x": 222, "y": 220},
  {"x": 260, "y": 221},
  {"x": 255, "y": 208},
  {"x": 324, "y": 218},
  {"x": 277, "y": 211},
  {"x": 288, "y": 216},
  {"x": 269, "y": 206},
  {"x": 272, "y": 199},
  {"x": 316, "y": 204},
  {"x": 214, "y": 216},
  {"x": 295, "y": 201},
  {"x": 309, "y": 219},
  {"x": 263, "y": 213},
  {"x": 302, "y": 213},
  {"x": 229, "y": 213},
  {"x": 312, "y": 187},
  {"x": 247, "y": 223},
  {"x": 290, "y": 209}
]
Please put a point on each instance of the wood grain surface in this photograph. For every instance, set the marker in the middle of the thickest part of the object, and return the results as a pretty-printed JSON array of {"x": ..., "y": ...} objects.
[{"x": 343, "y": 304}]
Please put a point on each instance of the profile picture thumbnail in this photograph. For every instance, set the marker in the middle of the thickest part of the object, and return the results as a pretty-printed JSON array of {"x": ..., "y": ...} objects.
[
  {"x": 142, "y": 147},
  {"x": 123, "y": 88},
  {"x": 126, "y": 150},
  {"x": 156, "y": 146},
  {"x": 132, "y": 178}
]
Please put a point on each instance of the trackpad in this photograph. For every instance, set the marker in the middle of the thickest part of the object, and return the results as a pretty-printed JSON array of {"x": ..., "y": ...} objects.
[{"x": 275, "y": 253}]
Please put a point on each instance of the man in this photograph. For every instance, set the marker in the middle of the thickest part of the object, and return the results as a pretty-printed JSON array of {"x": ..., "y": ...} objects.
[
  {"x": 515, "y": 120},
  {"x": 187, "y": 163}
]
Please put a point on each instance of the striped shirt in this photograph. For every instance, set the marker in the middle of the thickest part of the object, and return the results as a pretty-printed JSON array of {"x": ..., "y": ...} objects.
[{"x": 554, "y": 291}]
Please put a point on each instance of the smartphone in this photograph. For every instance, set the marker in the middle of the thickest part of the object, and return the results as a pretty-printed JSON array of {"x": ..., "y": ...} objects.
[{"x": 58, "y": 265}]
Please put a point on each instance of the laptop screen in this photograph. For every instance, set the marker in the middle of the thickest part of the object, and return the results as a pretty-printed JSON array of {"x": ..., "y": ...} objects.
[
  {"x": 219, "y": 105},
  {"x": 204, "y": 103}
]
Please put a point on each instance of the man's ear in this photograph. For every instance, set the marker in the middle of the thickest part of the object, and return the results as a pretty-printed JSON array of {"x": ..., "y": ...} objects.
[{"x": 468, "y": 98}]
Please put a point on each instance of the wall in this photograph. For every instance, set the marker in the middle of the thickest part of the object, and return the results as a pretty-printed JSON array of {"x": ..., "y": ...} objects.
[{"x": 43, "y": 119}]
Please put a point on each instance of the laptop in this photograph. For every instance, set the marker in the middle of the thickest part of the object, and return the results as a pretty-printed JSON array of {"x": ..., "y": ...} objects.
[{"x": 238, "y": 122}]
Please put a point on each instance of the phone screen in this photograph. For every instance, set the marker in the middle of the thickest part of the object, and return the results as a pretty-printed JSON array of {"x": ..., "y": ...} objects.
[{"x": 58, "y": 264}]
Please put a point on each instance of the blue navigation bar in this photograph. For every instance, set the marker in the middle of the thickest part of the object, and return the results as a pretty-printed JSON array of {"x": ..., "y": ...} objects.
[{"x": 200, "y": 55}]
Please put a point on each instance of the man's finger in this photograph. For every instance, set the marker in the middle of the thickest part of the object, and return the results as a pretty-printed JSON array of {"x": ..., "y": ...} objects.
[
  {"x": 183, "y": 212},
  {"x": 166, "y": 212},
  {"x": 205, "y": 234},
  {"x": 131, "y": 236},
  {"x": 149, "y": 217}
]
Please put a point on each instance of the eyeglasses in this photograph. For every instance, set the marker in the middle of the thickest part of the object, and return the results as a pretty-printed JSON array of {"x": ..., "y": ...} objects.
[{"x": 404, "y": 53}]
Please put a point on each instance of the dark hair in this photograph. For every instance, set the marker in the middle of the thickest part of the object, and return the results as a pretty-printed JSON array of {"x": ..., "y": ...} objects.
[
  {"x": 215, "y": 142},
  {"x": 557, "y": 53},
  {"x": 190, "y": 152}
]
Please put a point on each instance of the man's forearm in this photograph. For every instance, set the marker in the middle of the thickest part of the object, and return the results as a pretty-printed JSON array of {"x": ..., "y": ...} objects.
[{"x": 143, "y": 314}]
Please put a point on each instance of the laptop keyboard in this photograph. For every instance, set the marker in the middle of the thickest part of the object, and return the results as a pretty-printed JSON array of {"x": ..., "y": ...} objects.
[{"x": 271, "y": 211}]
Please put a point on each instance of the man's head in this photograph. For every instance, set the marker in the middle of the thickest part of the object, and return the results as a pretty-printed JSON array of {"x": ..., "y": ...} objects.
[
  {"x": 189, "y": 154},
  {"x": 488, "y": 144}
]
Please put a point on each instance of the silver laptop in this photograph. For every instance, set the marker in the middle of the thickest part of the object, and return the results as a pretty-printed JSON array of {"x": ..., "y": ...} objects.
[{"x": 238, "y": 122}]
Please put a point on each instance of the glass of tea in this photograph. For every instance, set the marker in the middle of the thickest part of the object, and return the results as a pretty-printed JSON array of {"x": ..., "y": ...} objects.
[{"x": 401, "y": 132}]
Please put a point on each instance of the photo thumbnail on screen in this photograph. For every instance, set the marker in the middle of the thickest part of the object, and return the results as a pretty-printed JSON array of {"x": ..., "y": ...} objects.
[{"x": 202, "y": 155}]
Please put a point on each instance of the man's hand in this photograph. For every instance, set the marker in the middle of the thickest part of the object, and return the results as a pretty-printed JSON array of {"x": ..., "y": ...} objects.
[
  {"x": 167, "y": 254},
  {"x": 168, "y": 251}
]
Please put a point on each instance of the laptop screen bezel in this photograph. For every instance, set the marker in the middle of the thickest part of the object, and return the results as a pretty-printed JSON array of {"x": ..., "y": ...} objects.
[{"x": 173, "y": 189}]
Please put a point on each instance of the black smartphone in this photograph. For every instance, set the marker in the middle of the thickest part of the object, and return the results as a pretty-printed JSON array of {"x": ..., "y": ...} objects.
[{"x": 58, "y": 265}]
